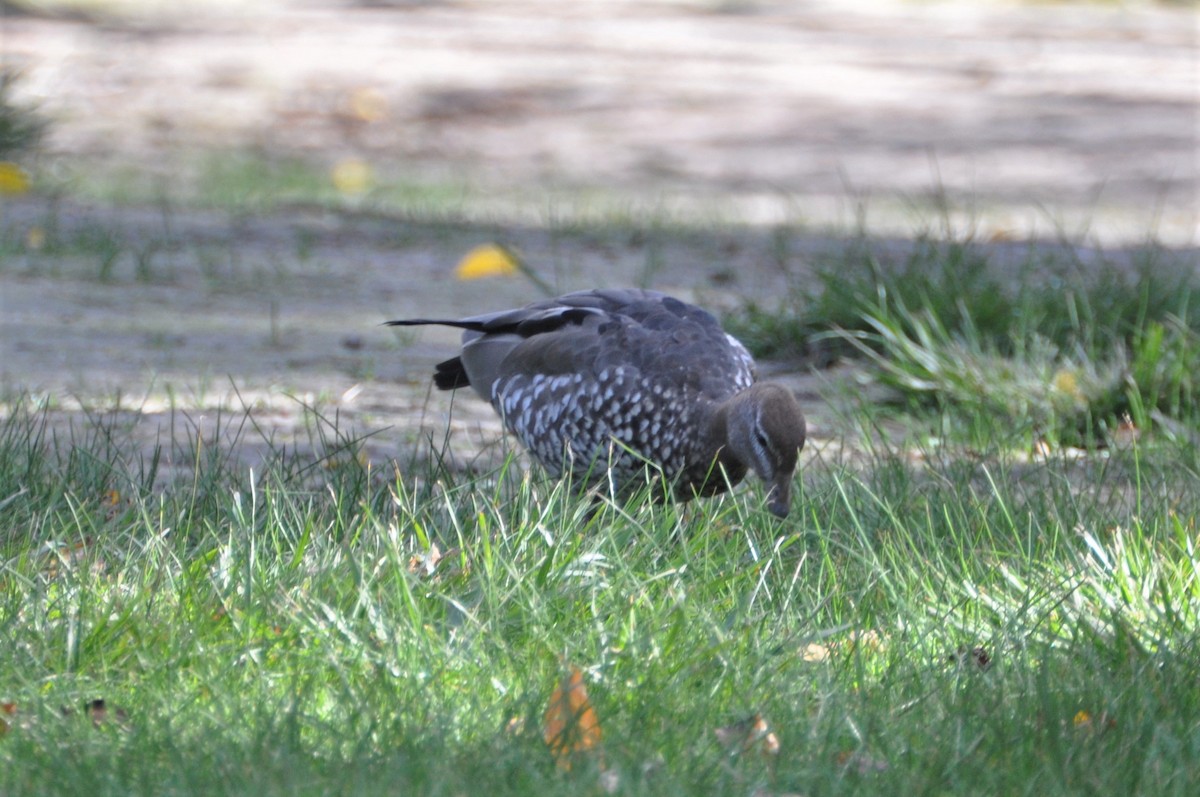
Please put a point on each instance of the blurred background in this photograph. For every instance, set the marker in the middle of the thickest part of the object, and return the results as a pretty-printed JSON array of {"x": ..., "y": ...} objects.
[{"x": 1028, "y": 117}]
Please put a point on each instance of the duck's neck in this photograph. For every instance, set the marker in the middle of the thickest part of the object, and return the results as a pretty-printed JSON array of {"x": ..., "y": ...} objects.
[{"x": 715, "y": 467}]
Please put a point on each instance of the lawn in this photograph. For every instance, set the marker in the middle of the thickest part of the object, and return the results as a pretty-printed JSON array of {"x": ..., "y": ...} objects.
[
  {"x": 989, "y": 583},
  {"x": 979, "y": 612}
]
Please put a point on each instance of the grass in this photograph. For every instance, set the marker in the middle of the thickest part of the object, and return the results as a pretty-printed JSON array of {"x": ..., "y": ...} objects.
[
  {"x": 1070, "y": 351},
  {"x": 21, "y": 126},
  {"x": 934, "y": 618},
  {"x": 292, "y": 628}
]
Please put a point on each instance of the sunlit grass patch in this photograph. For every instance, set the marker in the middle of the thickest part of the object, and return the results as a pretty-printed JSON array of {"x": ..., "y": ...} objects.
[
  {"x": 317, "y": 624},
  {"x": 1066, "y": 350}
]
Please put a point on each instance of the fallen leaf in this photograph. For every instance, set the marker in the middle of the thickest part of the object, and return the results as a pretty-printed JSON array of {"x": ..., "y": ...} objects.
[
  {"x": 368, "y": 104},
  {"x": 99, "y": 713},
  {"x": 427, "y": 564},
  {"x": 977, "y": 656},
  {"x": 1084, "y": 721},
  {"x": 814, "y": 651},
  {"x": 13, "y": 179},
  {"x": 747, "y": 734},
  {"x": 352, "y": 176},
  {"x": 1126, "y": 433},
  {"x": 8, "y": 709},
  {"x": 571, "y": 725},
  {"x": 486, "y": 261},
  {"x": 112, "y": 504},
  {"x": 1066, "y": 382},
  {"x": 870, "y": 641},
  {"x": 57, "y": 557}
]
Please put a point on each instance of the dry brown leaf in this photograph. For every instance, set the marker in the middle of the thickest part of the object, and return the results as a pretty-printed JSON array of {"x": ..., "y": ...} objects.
[
  {"x": 56, "y": 557},
  {"x": 1084, "y": 721},
  {"x": 748, "y": 734},
  {"x": 426, "y": 564},
  {"x": 869, "y": 641},
  {"x": 977, "y": 656},
  {"x": 99, "y": 713},
  {"x": 1126, "y": 433},
  {"x": 814, "y": 651},
  {"x": 571, "y": 725}
]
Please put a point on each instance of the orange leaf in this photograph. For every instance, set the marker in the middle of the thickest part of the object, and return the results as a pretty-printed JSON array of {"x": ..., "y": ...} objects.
[
  {"x": 1084, "y": 720},
  {"x": 571, "y": 725}
]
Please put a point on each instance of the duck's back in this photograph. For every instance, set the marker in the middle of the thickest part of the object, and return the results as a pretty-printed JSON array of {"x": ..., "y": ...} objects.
[{"x": 574, "y": 374}]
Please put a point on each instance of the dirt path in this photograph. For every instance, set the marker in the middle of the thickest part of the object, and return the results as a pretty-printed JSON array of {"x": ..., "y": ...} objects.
[
  {"x": 1035, "y": 116},
  {"x": 1029, "y": 121}
]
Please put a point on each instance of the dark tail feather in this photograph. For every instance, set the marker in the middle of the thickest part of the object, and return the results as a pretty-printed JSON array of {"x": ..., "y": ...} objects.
[
  {"x": 441, "y": 322},
  {"x": 450, "y": 375}
]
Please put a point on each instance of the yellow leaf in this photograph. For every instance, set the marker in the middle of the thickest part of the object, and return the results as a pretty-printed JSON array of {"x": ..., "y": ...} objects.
[
  {"x": 352, "y": 176},
  {"x": 1082, "y": 718},
  {"x": 571, "y": 725},
  {"x": 1067, "y": 383},
  {"x": 13, "y": 179},
  {"x": 488, "y": 260},
  {"x": 35, "y": 239}
]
